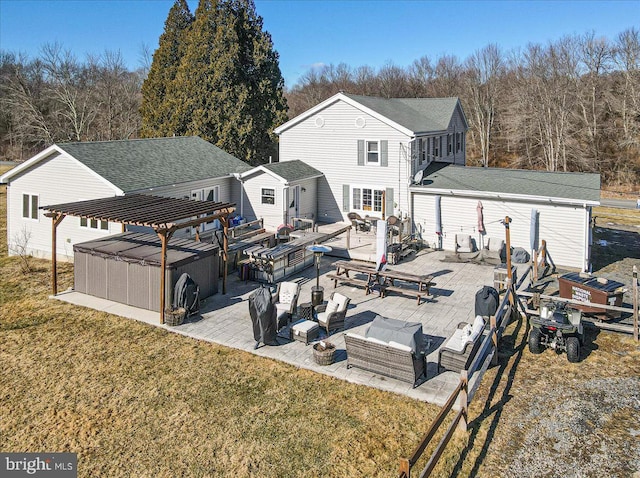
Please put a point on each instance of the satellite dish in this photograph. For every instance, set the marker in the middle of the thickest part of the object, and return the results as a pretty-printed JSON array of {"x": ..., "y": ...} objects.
[{"x": 417, "y": 179}]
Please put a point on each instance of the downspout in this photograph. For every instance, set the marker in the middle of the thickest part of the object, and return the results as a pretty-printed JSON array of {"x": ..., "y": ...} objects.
[
  {"x": 586, "y": 267},
  {"x": 238, "y": 176}
]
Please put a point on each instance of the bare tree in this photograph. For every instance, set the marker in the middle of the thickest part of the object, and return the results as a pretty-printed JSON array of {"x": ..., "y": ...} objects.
[{"x": 483, "y": 73}]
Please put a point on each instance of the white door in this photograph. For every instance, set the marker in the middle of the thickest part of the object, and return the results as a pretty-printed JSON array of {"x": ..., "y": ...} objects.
[
  {"x": 294, "y": 203},
  {"x": 207, "y": 194}
]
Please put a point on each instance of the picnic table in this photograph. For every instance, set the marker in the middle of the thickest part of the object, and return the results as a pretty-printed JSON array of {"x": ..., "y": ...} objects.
[{"x": 384, "y": 281}]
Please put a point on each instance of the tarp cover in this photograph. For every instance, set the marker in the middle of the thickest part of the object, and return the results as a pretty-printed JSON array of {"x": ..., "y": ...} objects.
[
  {"x": 392, "y": 330},
  {"x": 520, "y": 255},
  {"x": 186, "y": 293},
  {"x": 263, "y": 316},
  {"x": 487, "y": 301}
]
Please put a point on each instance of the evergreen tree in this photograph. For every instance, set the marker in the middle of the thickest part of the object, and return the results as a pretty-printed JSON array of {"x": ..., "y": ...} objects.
[
  {"x": 158, "y": 95},
  {"x": 229, "y": 88}
]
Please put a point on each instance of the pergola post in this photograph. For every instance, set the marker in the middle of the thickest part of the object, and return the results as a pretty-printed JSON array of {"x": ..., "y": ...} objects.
[
  {"x": 225, "y": 249},
  {"x": 164, "y": 239},
  {"x": 55, "y": 220}
]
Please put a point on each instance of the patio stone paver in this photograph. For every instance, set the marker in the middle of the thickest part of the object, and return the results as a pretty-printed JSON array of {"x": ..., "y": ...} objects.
[{"x": 224, "y": 319}]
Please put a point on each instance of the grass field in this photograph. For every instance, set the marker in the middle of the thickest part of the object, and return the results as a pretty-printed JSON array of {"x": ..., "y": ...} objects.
[{"x": 135, "y": 400}]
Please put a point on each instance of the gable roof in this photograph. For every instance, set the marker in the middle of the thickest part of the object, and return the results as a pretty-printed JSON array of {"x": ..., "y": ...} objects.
[
  {"x": 578, "y": 188},
  {"x": 138, "y": 164},
  {"x": 412, "y": 116},
  {"x": 287, "y": 171}
]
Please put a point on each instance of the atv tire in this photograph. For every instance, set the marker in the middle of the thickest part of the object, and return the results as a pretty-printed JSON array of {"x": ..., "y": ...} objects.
[
  {"x": 573, "y": 349},
  {"x": 535, "y": 339}
]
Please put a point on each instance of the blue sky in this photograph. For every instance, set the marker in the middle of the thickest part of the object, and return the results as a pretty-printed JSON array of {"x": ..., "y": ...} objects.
[{"x": 308, "y": 33}]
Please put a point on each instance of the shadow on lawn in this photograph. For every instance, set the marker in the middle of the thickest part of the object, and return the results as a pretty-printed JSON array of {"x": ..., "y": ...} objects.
[{"x": 510, "y": 350}]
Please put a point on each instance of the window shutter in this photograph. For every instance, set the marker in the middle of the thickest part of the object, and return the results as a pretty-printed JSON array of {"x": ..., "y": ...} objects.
[
  {"x": 345, "y": 197},
  {"x": 361, "y": 152},
  {"x": 440, "y": 146},
  {"x": 25, "y": 205},
  {"x": 388, "y": 198},
  {"x": 384, "y": 155}
]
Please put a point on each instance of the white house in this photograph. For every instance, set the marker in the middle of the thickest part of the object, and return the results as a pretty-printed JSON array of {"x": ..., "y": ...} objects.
[
  {"x": 369, "y": 149},
  {"x": 278, "y": 192},
  {"x": 563, "y": 202},
  {"x": 185, "y": 167}
]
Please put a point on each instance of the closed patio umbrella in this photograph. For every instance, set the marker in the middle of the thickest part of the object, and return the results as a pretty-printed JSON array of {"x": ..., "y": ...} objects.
[
  {"x": 533, "y": 230},
  {"x": 481, "y": 229},
  {"x": 480, "y": 218},
  {"x": 438, "y": 221}
]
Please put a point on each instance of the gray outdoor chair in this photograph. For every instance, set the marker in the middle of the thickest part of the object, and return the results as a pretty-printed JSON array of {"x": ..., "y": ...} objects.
[{"x": 331, "y": 315}]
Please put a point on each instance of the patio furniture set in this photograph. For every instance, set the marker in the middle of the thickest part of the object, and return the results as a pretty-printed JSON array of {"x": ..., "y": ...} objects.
[{"x": 389, "y": 347}]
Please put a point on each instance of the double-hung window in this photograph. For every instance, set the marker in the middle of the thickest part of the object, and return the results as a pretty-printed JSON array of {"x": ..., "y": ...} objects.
[
  {"x": 30, "y": 206},
  {"x": 373, "y": 155},
  {"x": 94, "y": 224},
  {"x": 268, "y": 196}
]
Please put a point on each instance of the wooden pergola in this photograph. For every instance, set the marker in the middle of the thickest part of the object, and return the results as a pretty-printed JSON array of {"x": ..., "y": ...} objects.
[{"x": 164, "y": 215}]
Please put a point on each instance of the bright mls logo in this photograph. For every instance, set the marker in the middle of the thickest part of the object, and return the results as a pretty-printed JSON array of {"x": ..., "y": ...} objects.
[{"x": 36, "y": 465}]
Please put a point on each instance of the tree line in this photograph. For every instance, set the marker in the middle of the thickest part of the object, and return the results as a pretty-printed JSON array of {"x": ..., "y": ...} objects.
[
  {"x": 569, "y": 105},
  {"x": 57, "y": 98}
]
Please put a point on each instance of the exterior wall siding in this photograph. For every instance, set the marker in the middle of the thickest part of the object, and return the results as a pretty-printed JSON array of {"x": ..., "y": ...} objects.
[
  {"x": 184, "y": 190},
  {"x": 328, "y": 142},
  {"x": 562, "y": 226},
  {"x": 58, "y": 179},
  {"x": 273, "y": 214}
]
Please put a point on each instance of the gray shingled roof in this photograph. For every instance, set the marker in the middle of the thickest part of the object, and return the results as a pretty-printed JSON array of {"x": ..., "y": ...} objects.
[
  {"x": 293, "y": 170},
  {"x": 137, "y": 164},
  {"x": 578, "y": 186},
  {"x": 419, "y": 115}
]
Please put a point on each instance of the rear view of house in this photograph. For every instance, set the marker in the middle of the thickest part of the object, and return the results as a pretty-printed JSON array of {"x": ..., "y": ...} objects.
[
  {"x": 369, "y": 149},
  {"x": 184, "y": 167}
]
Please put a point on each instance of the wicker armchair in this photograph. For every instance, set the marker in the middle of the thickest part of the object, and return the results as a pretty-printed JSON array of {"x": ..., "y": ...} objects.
[
  {"x": 331, "y": 315},
  {"x": 357, "y": 222},
  {"x": 286, "y": 300}
]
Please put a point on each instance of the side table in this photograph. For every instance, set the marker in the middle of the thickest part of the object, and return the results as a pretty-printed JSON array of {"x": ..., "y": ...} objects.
[{"x": 305, "y": 311}]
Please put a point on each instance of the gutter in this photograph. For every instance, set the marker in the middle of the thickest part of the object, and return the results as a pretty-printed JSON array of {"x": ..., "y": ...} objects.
[{"x": 495, "y": 195}]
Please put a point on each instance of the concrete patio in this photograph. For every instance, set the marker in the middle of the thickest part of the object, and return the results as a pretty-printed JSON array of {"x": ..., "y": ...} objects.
[{"x": 225, "y": 320}]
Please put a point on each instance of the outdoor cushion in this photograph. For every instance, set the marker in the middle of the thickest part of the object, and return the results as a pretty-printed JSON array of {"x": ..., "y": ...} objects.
[
  {"x": 340, "y": 299},
  {"x": 457, "y": 341},
  {"x": 373, "y": 340},
  {"x": 355, "y": 336},
  {"x": 332, "y": 306},
  {"x": 463, "y": 243},
  {"x": 478, "y": 327},
  {"x": 495, "y": 245},
  {"x": 396, "y": 345},
  {"x": 303, "y": 326},
  {"x": 285, "y": 297}
]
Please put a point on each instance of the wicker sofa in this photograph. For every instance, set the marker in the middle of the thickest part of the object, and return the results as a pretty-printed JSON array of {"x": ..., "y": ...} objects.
[
  {"x": 455, "y": 358},
  {"x": 393, "y": 360}
]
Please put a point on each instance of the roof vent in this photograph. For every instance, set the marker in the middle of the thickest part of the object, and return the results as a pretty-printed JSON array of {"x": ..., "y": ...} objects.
[{"x": 360, "y": 122}]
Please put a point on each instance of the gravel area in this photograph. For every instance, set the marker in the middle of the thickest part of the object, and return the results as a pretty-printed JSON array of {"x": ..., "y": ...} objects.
[{"x": 586, "y": 429}]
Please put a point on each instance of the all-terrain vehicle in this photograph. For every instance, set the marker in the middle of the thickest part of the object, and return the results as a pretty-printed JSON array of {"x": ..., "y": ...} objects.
[{"x": 558, "y": 327}]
